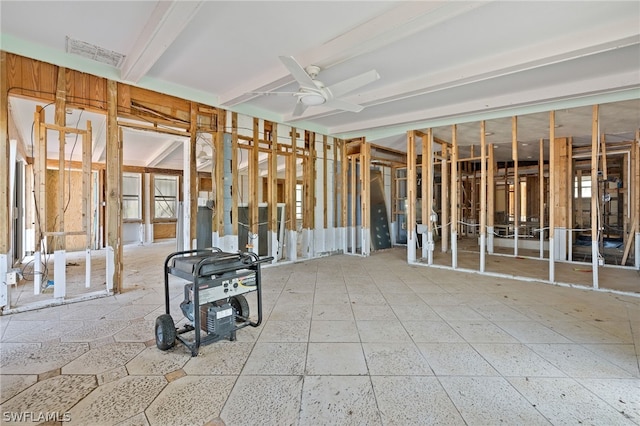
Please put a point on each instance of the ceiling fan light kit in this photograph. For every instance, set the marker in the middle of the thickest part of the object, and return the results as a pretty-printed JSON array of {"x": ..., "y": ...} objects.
[{"x": 313, "y": 92}]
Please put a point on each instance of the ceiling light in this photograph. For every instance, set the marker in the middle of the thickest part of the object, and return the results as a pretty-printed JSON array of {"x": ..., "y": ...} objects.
[{"x": 312, "y": 99}]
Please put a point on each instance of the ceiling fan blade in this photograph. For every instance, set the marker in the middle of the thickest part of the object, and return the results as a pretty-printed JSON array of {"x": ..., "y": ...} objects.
[
  {"x": 273, "y": 93},
  {"x": 344, "y": 105},
  {"x": 345, "y": 86},
  {"x": 299, "y": 109},
  {"x": 297, "y": 72}
]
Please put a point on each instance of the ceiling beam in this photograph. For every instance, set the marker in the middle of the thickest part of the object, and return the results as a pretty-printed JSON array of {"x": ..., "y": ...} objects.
[
  {"x": 165, "y": 24},
  {"x": 396, "y": 24}
]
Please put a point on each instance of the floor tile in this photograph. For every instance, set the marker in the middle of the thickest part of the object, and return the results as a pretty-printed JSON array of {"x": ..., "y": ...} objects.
[
  {"x": 490, "y": 401},
  {"x": 13, "y": 384},
  {"x": 481, "y": 332},
  {"x": 153, "y": 361},
  {"x": 576, "y": 361},
  {"x": 343, "y": 400},
  {"x": 219, "y": 358},
  {"x": 263, "y": 400},
  {"x": 415, "y": 312},
  {"x": 564, "y": 401},
  {"x": 516, "y": 360},
  {"x": 455, "y": 359},
  {"x": 374, "y": 313},
  {"x": 104, "y": 358},
  {"x": 117, "y": 401},
  {"x": 382, "y": 331},
  {"x": 531, "y": 332},
  {"x": 414, "y": 400},
  {"x": 395, "y": 359},
  {"x": 335, "y": 359},
  {"x": 623, "y": 356},
  {"x": 62, "y": 392},
  {"x": 276, "y": 359},
  {"x": 457, "y": 313},
  {"x": 31, "y": 358},
  {"x": 285, "y": 331},
  {"x": 175, "y": 404},
  {"x": 621, "y": 394},
  {"x": 334, "y": 331},
  {"x": 431, "y": 331},
  {"x": 335, "y": 311}
]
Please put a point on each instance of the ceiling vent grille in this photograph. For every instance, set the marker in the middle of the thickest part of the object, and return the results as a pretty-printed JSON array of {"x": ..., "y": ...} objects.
[{"x": 96, "y": 53}]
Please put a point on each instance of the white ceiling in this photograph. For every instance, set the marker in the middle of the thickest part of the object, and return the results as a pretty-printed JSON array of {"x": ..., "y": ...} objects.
[{"x": 440, "y": 62}]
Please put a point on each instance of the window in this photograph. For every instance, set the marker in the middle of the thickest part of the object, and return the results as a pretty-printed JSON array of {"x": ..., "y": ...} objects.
[
  {"x": 131, "y": 190},
  {"x": 165, "y": 196},
  {"x": 582, "y": 189}
]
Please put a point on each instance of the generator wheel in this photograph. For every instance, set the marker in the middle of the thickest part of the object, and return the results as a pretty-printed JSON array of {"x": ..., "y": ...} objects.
[
  {"x": 241, "y": 307},
  {"x": 165, "y": 332}
]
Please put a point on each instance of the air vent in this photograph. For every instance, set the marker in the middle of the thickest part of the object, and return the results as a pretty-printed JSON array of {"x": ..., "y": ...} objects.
[{"x": 96, "y": 53}]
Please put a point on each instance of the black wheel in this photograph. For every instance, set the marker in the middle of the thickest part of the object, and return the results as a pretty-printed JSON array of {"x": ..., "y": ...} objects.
[
  {"x": 240, "y": 307},
  {"x": 165, "y": 332}
]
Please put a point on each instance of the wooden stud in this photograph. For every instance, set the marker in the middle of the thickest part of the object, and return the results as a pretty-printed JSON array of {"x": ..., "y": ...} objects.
[
  {"x": 86, "y": 183},
  {"x": 353, "y": 203},
  {"x": 235, "y": 188},
  {"x": 345, "y": 183},
  {"x": 483, "y": 193},
  {"x": 444, "y": 200},
  {"x": 114, "y": 185},
  {"x": 5, "y": 218},
  {"x": 365, "y": 194},
  {"x": 193, "y": 175},
  {"x": 292, "y": 181},
  {"x": 253, "y": 182},
  {"x": 541, "y": 195},
  {"x": 60, "y": 120},
  {"x": 491, "y": 187},
  {"x": 594, "y": 194},
  {"x": 272, "y": 187},
  {"x": 454, "y": 196},
  {"x": 325, "y": 197},
  {"x": 412, "y": 180},
  {"x": 516, "y": 182}
]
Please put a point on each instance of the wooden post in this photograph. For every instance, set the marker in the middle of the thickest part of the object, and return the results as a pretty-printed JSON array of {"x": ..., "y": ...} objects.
[
  {"x": 491, "y": 193},
  {"x": 542, "y": 197},
  {"x": 193, "y": 177},
  {"x": 483, "y": 196},
  {"x": 325, "y": 168},
  {"x": 516, "y": 183},
  {"x": 412, "y": 177},
  {"x": 114, "y": 191},
  {"x": 594, "y": 196},
  {"x": 552, "y": 192},
  {"x": 427, "y": 191},
  {"x": 272, "y": 189},
  {"x": 354, "y": 187},
  {"x": 290, "y": 198},
  {"x": 365, "y": 196},
  {"x": 217, "y": 176},
  {"x": 253, "y": 189},
  {"x": 454, "y": 196},
  {"x": 444, "y": 203},
  {"x": 5, "y": 217},
  {"x": 61, "y": 120},
  {"x": 235, "y": 191},
  {"x": 86, "y": 199}
]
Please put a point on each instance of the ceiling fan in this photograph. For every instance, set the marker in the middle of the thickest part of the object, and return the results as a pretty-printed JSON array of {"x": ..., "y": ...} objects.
[{"x": 313, "y": 92}]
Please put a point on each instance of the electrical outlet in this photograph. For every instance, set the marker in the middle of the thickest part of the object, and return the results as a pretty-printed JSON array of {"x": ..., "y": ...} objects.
[{"x": 12, "y": 278}]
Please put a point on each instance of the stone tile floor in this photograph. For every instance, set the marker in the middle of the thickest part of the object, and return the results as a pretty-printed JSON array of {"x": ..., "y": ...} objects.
[{"x": 344, "y": 340}]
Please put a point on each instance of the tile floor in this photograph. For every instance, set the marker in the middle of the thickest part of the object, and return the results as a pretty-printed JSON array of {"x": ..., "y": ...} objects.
[{"x": 345, "y": 340}]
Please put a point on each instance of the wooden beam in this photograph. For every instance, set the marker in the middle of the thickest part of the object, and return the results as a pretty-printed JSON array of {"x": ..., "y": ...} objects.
[
  {"x": 40, "y": 172},
  {"x": 272, "y": 187},
  {"x": 86, "y": 183},
  {"x": 193, "y": 175},
  {"x": 114, "y": 186},
  {"x": 61, "y": 122},
  {"x": 412, "y": 181},
  {"x": 344, "y": 162},
  {"x": 516, "y": 182},
  {"x": 483, "y": 194},
  {"x": 253, "y": 182},
  {"x": 5, "y": 218},
  {"x": 235, "y": 191},
  {"x": 365, "y": 195},
  {"x": 552, "y": 193},
  {"x": 444, "y": 200},
  {"x": 542, "y": 195},
  {"x": 594, "y": 195},
  {"x": 325, "y": 197},
  {"x": 454, "y": 196}
]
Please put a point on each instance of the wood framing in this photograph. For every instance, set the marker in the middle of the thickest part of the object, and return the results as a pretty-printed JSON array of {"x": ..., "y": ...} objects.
[
  {"x": 5, "y": 218},
  {"x": 193, "y": 175},
  {"x": 114, "y": 186},
  {"x": 234, "y": 174}
]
